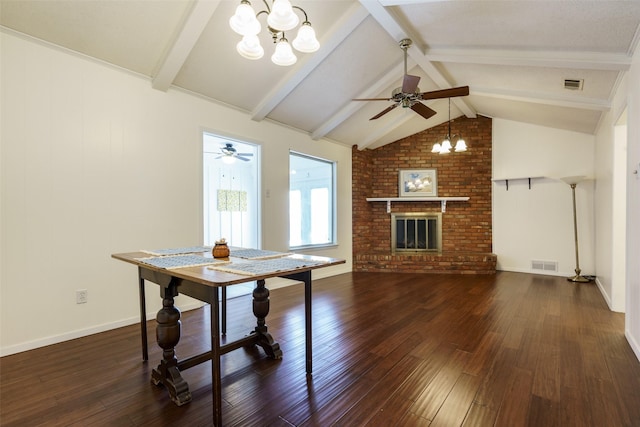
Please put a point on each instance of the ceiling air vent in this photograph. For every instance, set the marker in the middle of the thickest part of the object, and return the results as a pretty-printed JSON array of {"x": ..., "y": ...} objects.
[{"x": 573, "y": 84}]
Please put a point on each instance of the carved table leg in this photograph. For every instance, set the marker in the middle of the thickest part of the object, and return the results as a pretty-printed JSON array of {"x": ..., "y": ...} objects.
[
  {"x": 168, "y": 335},
  {"x": 261, "y": 310}
]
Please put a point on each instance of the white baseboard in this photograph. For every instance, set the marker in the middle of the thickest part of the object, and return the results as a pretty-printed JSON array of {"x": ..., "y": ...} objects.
[
  {"x": 529, "y": 271},
  {"x": 79, "y": 333},
  {"x": 635, "y": 346},
  {"x": 604, "y": 294},
  {"x": 273, "y": 283}
]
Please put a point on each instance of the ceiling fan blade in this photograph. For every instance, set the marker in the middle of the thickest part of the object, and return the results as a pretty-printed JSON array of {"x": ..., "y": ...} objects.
[
  {"x": 242, "y": 158},
  {"x": 372, "y": 99},
  {"x": 446, "y": 93},
  {"x": 410, "y": 83},
  {"x": 245, "y": 154},
  {"x": 383, "y": 112},
  {"x": 423, "y": 110}
]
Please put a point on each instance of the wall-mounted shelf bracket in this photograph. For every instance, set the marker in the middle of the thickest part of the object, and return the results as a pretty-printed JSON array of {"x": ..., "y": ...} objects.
[{"x": 506, "y": 180}]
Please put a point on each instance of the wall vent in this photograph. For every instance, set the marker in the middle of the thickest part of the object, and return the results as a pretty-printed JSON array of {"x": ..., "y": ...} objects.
[
  {"x": 544, "y": 265},
  {"x": 573, "y": 84}
]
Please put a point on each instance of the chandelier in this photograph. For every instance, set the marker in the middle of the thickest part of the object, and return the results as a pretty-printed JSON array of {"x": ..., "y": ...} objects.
[
  {"x": 280, "y": 18},
  {"x": 444, "y": 147}
]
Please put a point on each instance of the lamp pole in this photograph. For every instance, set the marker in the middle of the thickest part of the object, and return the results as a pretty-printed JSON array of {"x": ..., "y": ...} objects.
[{"x": 577, "y": 278}]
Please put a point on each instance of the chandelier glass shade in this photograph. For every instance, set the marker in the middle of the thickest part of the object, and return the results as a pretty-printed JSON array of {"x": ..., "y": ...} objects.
[
  {"x": 283, "y": 54},
  {"x": 281, "y": 17},
  {"x": 461, "y": 145},
  {"x": 244, "y": 21},
  {"x": 250, "y": 48},
  {"x": 306, "y": 40}
]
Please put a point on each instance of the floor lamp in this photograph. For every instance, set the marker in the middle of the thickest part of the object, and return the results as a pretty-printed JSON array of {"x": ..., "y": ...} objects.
[{"x": 573, "y": 182}]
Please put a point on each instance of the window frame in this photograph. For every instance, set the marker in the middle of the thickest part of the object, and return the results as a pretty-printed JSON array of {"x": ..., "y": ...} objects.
[{"x": 333, "y": 232}]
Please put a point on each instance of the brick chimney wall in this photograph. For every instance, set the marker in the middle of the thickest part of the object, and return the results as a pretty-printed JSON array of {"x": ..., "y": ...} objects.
[{"x": 466, "y": 226}]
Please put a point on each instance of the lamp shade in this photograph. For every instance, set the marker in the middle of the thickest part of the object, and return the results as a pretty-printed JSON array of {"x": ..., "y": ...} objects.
[
  {"x": 445, "y": 147},
  {"x": 306, "y": 40},
  {"x": 282, "y": 17},
  {"x": 436, "y": 148},
  {"x": 249, "y": 47},
  {"x": 244, "y": 21},
  {"x": 461, "y": 145},
  {"x": 574, "y": 179},
  {"x": 283, "y": 54}
]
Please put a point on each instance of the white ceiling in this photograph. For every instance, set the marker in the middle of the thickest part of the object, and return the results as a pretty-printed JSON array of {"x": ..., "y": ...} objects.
[{"x": 513, "y": 55}]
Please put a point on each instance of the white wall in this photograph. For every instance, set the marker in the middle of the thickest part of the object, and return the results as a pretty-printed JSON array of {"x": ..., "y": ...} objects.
[
  {"x": 617, "y": 203},
  {"x": 632, "y": 292},
  {"x": 610, "y": 208},
  {"x": 94, "y": 162},
  {"x": 537, "y": 223}
]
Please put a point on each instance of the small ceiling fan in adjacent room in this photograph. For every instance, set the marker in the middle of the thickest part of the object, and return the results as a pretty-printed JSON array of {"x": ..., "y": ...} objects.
[
  {"x": 409, "y": 95},
  {"x": 228, "y": 154}
]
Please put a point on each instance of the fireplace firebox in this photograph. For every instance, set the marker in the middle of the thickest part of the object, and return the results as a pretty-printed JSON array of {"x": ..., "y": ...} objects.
[{"x": 416, "y": 232}]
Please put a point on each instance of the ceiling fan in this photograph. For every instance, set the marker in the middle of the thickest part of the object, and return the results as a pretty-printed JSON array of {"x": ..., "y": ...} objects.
[
  {"x": 228, "y": 152},
  {"x": 409, "y": 95}
]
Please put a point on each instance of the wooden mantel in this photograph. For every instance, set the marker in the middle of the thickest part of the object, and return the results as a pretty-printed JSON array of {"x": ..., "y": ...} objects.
[{"x": 443, "y": 200}]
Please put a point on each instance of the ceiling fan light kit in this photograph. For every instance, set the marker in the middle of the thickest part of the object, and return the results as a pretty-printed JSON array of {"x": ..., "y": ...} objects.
[{"x": 280, "y": 18}]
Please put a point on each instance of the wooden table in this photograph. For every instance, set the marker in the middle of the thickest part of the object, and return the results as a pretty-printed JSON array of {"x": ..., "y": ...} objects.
[{"x": 203, "y": 283}]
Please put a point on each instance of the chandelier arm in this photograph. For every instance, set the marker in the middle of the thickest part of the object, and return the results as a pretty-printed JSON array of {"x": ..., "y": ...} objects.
[
  {"x": 306, "y": 19},
  {"x": 273, "y": 31}
]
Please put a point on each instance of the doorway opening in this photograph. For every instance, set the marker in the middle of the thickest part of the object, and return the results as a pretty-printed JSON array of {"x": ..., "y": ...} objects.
[{"x": 231, "y": 202}]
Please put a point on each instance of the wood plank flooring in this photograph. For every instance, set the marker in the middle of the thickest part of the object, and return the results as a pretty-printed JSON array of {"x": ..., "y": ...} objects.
[{"x": 389, "y": 350}]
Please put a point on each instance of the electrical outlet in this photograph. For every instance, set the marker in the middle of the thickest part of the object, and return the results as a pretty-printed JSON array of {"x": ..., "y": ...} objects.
[{"x": 81, "y": 296}]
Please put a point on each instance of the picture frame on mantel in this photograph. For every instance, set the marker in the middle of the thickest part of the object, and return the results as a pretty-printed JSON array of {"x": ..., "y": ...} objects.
[{"x": 418, "y": 183}]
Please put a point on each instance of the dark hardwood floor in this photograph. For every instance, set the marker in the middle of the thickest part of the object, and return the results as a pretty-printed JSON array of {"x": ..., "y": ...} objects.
[{"x": 389, "y": 350}]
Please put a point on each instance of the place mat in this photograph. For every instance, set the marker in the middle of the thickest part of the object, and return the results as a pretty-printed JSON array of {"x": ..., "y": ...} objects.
[
  {"x": 256, "y": 253},
  {"x": 179, "y": 261},
  {"x": 263, "y": 267},
  {"x": 177, "y": 251}
]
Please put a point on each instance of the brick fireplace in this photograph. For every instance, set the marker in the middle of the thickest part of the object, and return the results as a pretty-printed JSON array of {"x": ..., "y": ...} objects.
[{"x": 466, "y": 226}]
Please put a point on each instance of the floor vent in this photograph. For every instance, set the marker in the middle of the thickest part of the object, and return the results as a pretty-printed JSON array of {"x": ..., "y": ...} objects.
[
  {"x": 573, "y": 84},
  {"x": 544, "y": 265}
]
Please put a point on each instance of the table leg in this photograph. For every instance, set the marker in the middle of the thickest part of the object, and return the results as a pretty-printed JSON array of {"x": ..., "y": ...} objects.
[
  {"x": 223, "y": 316},
  {"x": 261, "y": 310},
  {"x": 143, "y": 318},
  {"x": 168, "y": 336},
  {"x": 307, "y": 321},
  {"x": 216, "y": 372}
]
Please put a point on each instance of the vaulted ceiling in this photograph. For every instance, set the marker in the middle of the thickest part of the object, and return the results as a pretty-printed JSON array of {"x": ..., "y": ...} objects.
[{"x": 514, "y": 55}]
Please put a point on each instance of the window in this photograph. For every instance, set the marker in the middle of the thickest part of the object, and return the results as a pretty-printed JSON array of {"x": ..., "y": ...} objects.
[{"x": 311, "y": 201}]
